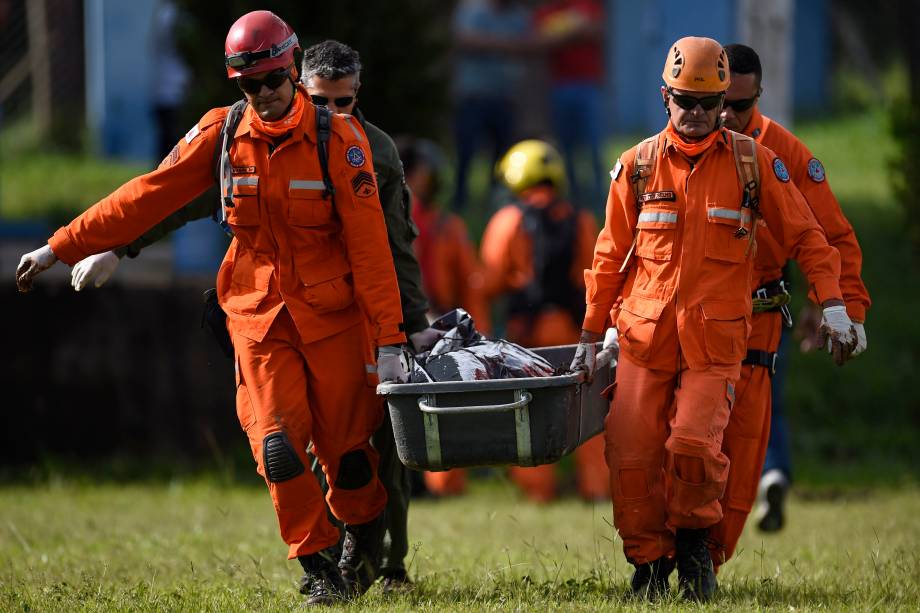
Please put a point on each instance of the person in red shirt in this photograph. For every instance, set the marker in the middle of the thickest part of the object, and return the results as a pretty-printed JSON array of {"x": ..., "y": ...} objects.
[{"x": 572, "y": 33}]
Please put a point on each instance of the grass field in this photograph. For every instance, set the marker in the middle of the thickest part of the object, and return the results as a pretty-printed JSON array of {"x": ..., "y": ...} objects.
[{"x": 195, "y": 546}]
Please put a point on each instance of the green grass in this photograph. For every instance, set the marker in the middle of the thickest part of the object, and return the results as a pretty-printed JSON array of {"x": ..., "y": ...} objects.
[{"x": 195, "y": 546}]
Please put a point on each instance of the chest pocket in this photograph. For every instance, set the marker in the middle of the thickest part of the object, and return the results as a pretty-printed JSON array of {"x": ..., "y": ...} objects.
[
  {"x": 722, "y": 242},
  {"x": 656, "y": 227},
  {"x": 245, "y": 210},
  {"x": 307, "y": 206}
]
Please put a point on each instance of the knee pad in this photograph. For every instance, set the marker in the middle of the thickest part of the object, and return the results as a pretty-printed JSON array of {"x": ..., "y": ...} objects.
[
  {"x": 354, "y": 471},
  {"x": 279, "y": 458}
]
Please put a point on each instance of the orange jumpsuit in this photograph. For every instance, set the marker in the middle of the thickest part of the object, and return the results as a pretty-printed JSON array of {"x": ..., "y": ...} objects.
[
  {"x": 297, "y": 281},
  {"x": 748, "y": 430},
  {"x": 683, "y": 323},
  {"x": 508, "y": 259}
]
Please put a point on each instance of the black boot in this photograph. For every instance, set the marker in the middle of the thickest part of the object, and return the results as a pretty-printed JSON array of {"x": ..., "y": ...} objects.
[
  {"x": 696, "y": 577},
  {"x": 396, "y": 581},
  {"x": 650, "y": 580},
  {"x": 361, "y": 555},
  {"x": 321, "y": 583}
]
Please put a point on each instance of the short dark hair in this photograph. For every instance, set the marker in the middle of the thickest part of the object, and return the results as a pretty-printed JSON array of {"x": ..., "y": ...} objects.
[
  {"x": 743, "y": 60},
  {"x": 330, "y": 60}
]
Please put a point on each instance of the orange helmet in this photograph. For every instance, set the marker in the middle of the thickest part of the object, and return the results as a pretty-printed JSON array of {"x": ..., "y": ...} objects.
[
  {"x": 260, "y": 41},
  {"x": 697, "y": 64}
]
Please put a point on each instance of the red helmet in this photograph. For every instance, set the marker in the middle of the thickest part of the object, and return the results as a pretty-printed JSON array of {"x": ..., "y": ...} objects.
[{"x": 257, "y": 42}]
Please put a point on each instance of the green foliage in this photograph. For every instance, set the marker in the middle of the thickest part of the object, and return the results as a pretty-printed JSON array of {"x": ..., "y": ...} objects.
[
  {"x": 193, "y": 546},
  {"x": 905, "y": 129}
]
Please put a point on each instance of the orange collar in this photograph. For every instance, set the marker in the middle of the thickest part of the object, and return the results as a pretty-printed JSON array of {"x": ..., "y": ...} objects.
[
  {"x": 305, "y": 114},
  {"x": 757, "y": 126},
  {"x": 692, "y": 150}
]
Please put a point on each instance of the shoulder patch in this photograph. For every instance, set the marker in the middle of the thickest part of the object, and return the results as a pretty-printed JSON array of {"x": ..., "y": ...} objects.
[
  {"x": 617, "y": 169},
  {"x": 191, "y": 134},
  {"x": 354, "y": 155},
  {"x": 171, "y": 158},
  {"x": 779, "y": 169},
  {"x": 362, "y": 184},
  {"x": 816, "y": 170}
]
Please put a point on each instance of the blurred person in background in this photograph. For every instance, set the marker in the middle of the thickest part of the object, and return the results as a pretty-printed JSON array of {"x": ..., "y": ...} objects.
[
  {"x": 750, "y": 425},
  {"x": 171, "y": 76},
  {"x": 451, "y": 274},
  {"x": 673, "y": 269},
  {"x": 490, "y": 36},
  {"x": 301, "y": 277},
  {"x": 331, "y": 73},
  {"x": 534, "y": 252},
  {"x": 572, "y": 32}
]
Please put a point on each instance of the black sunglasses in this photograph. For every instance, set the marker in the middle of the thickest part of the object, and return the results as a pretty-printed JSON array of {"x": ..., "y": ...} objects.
[
  {"x": 339, "y": 102},
  {"x": 272, "y": 80},
  {"x": 741, "y": 105},
  {"x": 689, "y": 102}
]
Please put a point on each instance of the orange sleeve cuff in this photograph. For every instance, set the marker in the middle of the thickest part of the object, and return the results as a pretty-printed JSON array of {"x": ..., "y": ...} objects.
[
  {"x": 827, "y": 289},
  {"x": 856, "y": 311},
  {"x": 595, "y": 318},
  {"x": 64, "y": 248},
  {"x": 391, "y": 338}
]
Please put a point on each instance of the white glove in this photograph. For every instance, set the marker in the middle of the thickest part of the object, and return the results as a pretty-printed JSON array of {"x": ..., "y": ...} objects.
[
  {"x": 423, "y": 340},
  {"x": 611, "y": 339},
  {"x": 861, "y": 342},
  {"x": 838, "y": 333},
  {"x": 391, "y": 365},
  {"x": 31, "y": 265},
  {"x": 584, "y": 360},
  {"x": 97, "y": 267}
]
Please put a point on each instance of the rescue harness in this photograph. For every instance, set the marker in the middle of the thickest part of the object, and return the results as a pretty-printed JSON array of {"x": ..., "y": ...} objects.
[{"x": 223, "y": 167}]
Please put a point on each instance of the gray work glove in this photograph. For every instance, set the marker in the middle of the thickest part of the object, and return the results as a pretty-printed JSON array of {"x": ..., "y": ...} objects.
[
  {"x": 96, "y": 268},
  {"x": 33, "y": 264},
  {"x": 838, "y": 333},
  {"x": 585, "y": 355},
  {"x": 423, "y": 340},
  {"x": 391, "y": 365}
]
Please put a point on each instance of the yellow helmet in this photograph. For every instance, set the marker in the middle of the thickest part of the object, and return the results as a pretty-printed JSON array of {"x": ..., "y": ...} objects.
[
  {"x": 529, "y": 163},
  {"x": 697, "y": 64}
]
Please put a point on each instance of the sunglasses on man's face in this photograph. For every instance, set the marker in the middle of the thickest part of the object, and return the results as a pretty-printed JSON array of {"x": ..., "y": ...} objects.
[
  {"x": 272, "y": 80},
  {"x": 339, "y": 102},
  {"x": 689, "y": 103},
  {"x": 741, "y": 105}
]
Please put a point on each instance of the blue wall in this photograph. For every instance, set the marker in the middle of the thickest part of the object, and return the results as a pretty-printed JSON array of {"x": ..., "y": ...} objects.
[{"x": 642, "y": 31}]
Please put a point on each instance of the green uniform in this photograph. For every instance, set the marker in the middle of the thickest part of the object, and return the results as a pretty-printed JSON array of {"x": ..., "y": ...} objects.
[{"x": 395, "y": 201}]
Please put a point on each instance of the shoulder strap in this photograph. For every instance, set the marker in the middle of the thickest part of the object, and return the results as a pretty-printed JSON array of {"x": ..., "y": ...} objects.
[
  {"x": 223, "y": 169},
  {"x": 646, "y": 156},
  {"x": 745, "y": 150},
  {"x": 323, "y": 131}
]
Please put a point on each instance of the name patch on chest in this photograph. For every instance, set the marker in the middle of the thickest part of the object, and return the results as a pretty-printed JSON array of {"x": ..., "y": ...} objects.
[
  {"x": 243, "y": 170},
  {"x": 657, "y": 196}
]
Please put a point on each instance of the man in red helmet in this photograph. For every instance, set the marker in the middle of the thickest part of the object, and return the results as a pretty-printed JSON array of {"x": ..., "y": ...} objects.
[
  {"x": 301, "y": 273},
  {"x": 677, "y": 248}
]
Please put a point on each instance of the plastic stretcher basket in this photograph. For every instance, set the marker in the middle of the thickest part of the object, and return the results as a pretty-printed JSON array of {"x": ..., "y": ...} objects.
[{"x": 521, "y": 422}]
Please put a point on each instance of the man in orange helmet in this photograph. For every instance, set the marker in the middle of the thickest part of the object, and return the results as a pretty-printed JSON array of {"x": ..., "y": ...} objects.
[
  {"x": 749, "y": 428},
  {"x": 534, "y": 253},
  {"x": 677, "y": 246},
  {"x": 303, "y": 271}
]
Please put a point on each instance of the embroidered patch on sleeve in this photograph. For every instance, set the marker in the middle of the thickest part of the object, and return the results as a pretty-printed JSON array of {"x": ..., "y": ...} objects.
[
  {"x": 616, "y": 170},
  {"x": 816, "y": 170},
  {"x": 779, "y": 169},
  {"x": 363, "y": 184},
  {"x": 191, "y": 134},
  {"x": 171, "y": 158},
  {"x": 355, "y": 156}
]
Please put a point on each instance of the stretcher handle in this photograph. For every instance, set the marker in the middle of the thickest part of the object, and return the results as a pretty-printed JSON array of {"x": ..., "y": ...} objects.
[{"x": 522, "y": 402}]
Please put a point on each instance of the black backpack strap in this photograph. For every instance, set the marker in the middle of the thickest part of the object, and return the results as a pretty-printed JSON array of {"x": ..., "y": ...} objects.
[
  {"x": 223, "y": 169},
  {"x": 323, "y": 132}
]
